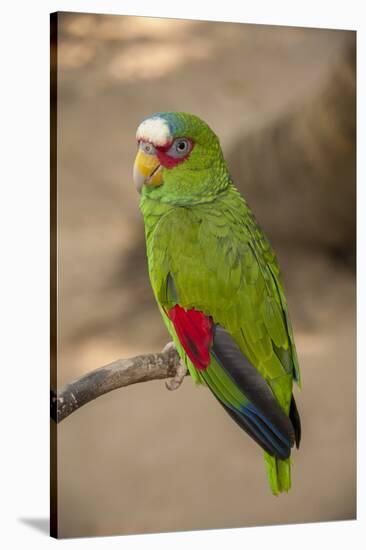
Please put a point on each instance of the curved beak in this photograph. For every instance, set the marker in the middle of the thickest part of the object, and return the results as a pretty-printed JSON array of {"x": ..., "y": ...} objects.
[{"x": 146, "y": 170}]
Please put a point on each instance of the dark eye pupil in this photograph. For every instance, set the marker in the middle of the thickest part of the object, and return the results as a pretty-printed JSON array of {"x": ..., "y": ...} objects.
[{"x": 181, "y": 145}]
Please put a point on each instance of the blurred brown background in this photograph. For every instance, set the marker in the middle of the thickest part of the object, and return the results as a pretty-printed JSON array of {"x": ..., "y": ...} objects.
[{"x": 282, "y": 100}]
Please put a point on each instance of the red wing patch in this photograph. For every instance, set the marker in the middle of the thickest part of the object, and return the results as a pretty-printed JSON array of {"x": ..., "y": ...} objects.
[{"x": 195, "y": 332}]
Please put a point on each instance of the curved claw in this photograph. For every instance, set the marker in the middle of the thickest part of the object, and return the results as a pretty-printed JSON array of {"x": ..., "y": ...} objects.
[
  {"x": 176, "y": 382},
  {"x": 169, "y": 346}
]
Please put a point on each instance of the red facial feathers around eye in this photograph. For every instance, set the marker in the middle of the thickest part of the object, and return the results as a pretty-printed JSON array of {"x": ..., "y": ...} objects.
[
  {"x": 169, "y": 157},
  {"x": 167, "y": 161}
]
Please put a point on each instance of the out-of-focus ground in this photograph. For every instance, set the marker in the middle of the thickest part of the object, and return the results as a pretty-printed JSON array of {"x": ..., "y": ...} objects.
[{"x": 142, "y": 459}]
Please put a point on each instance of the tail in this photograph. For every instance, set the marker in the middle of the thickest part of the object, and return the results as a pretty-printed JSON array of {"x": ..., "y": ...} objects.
[
  {"x": 278, "y": 470},
  {"x": 279, "y": 473}
]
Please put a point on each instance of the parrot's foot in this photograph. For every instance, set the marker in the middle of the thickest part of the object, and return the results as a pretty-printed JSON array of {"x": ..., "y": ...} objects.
[
  {"x": 168, "y": 347},
  {"x": 175, "y": 383}
]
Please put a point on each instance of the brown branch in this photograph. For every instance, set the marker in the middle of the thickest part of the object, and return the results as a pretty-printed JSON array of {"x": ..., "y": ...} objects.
[{"x": 120, "y": 373}]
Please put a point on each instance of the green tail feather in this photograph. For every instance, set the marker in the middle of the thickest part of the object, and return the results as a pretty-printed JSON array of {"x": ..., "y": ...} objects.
[{"x": 279, "y": 473}]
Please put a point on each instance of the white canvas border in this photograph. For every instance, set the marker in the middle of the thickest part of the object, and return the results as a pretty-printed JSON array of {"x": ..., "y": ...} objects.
[{"x": 24, "y": 274}]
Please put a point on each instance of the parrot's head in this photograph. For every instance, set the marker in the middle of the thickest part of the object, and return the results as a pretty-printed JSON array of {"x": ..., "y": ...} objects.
[{"x": 179, "y": 159}]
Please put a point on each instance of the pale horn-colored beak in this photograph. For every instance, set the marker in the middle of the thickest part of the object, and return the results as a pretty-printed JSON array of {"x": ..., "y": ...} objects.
[{"x": 146, "y": 170}]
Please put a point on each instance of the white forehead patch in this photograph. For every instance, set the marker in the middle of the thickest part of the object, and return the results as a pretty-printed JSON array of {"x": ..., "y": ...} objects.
[{"x": 155, "y": 130}]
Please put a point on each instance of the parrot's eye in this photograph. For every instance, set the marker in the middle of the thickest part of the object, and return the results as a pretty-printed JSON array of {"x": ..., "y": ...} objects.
[
  {"x": 147, "y": 148},
  {"x": 180, "y": 148}
]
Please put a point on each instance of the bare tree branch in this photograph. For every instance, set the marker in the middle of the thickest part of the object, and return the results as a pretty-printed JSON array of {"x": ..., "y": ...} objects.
[{"x": 120, "y": 373}]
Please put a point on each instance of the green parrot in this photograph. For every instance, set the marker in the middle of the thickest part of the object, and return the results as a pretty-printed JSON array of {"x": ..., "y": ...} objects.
[{"x": 216, "y": 280}]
